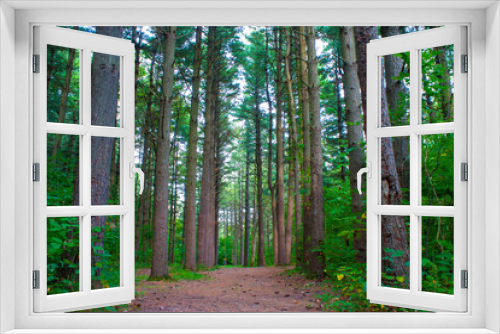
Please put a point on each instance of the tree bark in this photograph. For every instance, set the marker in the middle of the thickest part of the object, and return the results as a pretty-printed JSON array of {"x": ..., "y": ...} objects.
[
  {"x": 173, "y": 197},
  {"x": 190, "y": 202},
  {"x": 280, "y": 200},
  {"x": 294, "y": 145},
  {"x": 105, "y": 76},
  {"x": 353, "y": 105},
  {"x": 393, "y": 67},
  {"x": 394, "y": 230},
  {"x": 159, "y": 265},
  {"x": 247, "y": 209},
  {"x": 315, "y": 263},
  {"x": 306, "y": 158},
  {"x": 206, "y": 182},
  {"x": 270, "y": 184},
  {"x": 258, "y": 163},
  {"x": 145, "y": 198},
  {"x": 289, "y": 215}
]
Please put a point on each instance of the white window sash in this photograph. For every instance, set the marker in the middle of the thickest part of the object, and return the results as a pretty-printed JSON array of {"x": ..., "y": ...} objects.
[
  {"x": 85, "y": 43},
  {"x": 414, "y": 297}
]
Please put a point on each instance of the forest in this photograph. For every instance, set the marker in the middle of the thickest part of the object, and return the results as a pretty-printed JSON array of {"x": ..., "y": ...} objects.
[{"x": 250, "y": 139}]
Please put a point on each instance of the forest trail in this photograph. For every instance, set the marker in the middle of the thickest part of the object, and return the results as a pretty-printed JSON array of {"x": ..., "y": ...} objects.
[{"x": 267, "y": 289}]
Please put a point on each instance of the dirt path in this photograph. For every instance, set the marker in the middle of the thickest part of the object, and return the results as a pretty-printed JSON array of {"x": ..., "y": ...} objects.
[{"x": 231, "y": 290}]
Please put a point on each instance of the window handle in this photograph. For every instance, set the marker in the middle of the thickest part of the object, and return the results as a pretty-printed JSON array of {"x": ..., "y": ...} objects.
[
  {"x": 368, "y": 171},
  {"x": 134, "y": 170}
]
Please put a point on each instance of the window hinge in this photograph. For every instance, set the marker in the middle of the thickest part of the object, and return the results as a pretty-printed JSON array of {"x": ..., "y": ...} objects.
[
  {"x": 465, "y": 279},
  {"x": 36, "y": 63},
  {"x": 36, "y": 279},
  {"x": 464, "y": 171},
  {"x": 465, "y": 63},
  {"x": 36, "y": 172}
]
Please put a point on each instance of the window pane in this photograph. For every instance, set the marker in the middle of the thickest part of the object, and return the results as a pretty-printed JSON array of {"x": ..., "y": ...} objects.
[
  {"x": 63, "y": 255},
  {"x": 395, "y": 251},
  {"x": 437, "y": 84},
  {"x": 63, "y": 84},
  {"x": 395, "y": 170},
  {"x": 437, "y": 254},
  {"x": 396, "y": 71},
  {"x": 105, "y": 252},
  {"x": 437, "y": 169},
  {"x": 105, "y": 91},
  {"x": 63, "y": 158},
  {"x": 105, "y": 171}
]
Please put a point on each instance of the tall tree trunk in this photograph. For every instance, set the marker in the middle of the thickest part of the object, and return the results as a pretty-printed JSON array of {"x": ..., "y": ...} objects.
[
  {"x": 394, "y": 230},
  {"x": 145, "y": 198},
  {"x": 173, "y": 200},
  {"x": 159, "y": 265},
  {"x": 258, "y": 163},
  {"x": 247, "y": 209},
  {"x": 316, "y": 264},
  {"x": 190, "y": 202},
  {"x": 289, "y": 215},
  {"x": 393, "y": 67},
  {"x": 306, "y": 158},
  {"x": 235, "y": 235},
  {"x": 63, "y": 106},
  {"x": 254, "y": 231},
  {"x": 353, "y": 104},
  {"x": 340, "y": 114},
  {"x": 104, "y": 102},
  {"x": 241, "y": 221},
  {"x": 294, "y": 145},
  {"x": 218, "y": 174},
  {"x": 280, "y": 200},
  {"x": 270, "y": 158},
  {"x": 204, "y": 218}
]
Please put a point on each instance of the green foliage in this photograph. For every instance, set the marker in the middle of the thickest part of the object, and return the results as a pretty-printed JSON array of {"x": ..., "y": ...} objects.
[{"x": 63, "y": 246}]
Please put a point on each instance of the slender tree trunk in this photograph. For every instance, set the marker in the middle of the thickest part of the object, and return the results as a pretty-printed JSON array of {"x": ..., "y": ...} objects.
[
  {"x": 353, "y": 104},
  {"x": 173, "y": 201},
  {"x": 340, "y": 116},
  {"x": 206, "y": 182},
  {"x": 254, "y": 233},
  {"x": 241, "y": 222},
  {"x": 270, "y": 159},
  {"x": 289, "y": 215},
  {"x": 104, "y": 86},
  {"x": 218, "y": 174},
  {"x": 294, "y": 145},
  {"x": 306, "y": 158},
  {"x": 258, "y": 163},
  {"x": 190, "y": 202},
  {"x": 280, "y": 201},
  {"x": 316, "y": 264},
  {"x": 247, "y": 209},
  {"x": 235, "y": 235},
  {"x": 159, "y": 265},
  {"x": 145, "y": 198},
  {"x": 394, "y": 230}
]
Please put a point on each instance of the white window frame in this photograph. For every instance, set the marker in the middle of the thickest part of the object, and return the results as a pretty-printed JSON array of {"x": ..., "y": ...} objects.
[
  {"x": 483, "y": 21},
  {"x": 415, "y": 296},
  {"x": 85, "y": 44}
]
